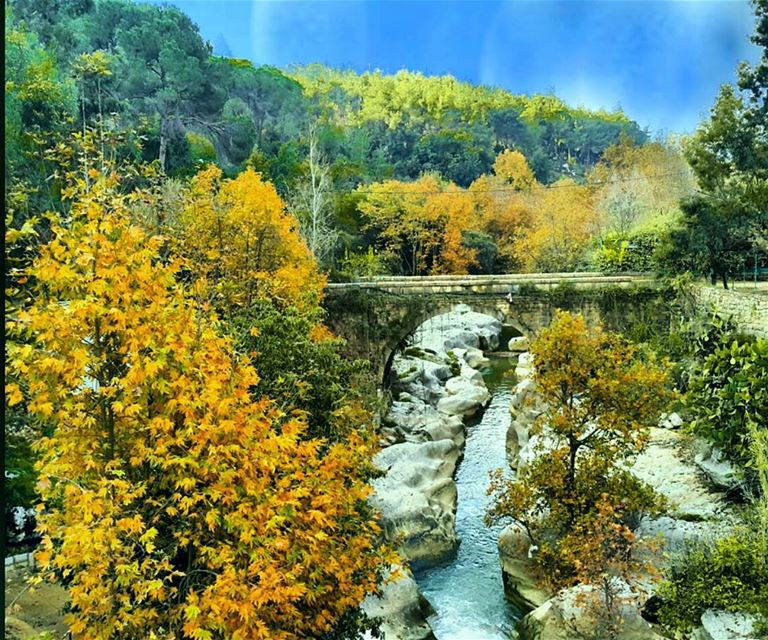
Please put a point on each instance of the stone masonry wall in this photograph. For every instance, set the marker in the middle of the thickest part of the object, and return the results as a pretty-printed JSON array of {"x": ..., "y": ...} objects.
[{"x": 748, "y": 310}]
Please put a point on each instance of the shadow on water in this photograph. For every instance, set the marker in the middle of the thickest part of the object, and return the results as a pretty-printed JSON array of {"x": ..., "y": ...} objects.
[{"x": 466, "y": 591}]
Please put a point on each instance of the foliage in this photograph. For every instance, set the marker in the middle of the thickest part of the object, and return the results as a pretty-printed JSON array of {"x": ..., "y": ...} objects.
[
  {"x": 576, "y": 502},
  {"x": 368, "y": 264},
  {"x": 420, "y": 224},
  {"x": 201, "y": 149},
  {"x": 543, "y": 127},
  {"x": 241, "y": 244},
  {"x": 39, "y": 103},
  {"x": 730, "y": 573},
  {"x": 512, "y": 168},
  {"x": 633, "y": 251},
  {"x": 562, "y": 222},
  {"x": 728, "y": 396},
  {"x": 641, "y": 186},
  {"x": 174, "y": 505},
  {"x": 301, "y": 369},
  {"x": 144, "y": 71}
]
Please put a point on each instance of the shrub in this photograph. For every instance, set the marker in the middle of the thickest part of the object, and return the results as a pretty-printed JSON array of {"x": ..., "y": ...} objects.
[
  {"x": 730, "y": 573},
  {"x": 632, "y": 251},
  {"x": 729, "y": 393}
]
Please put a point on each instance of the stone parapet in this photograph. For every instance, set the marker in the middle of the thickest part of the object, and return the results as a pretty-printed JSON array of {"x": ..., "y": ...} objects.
[{"x": 749, "y": 310}]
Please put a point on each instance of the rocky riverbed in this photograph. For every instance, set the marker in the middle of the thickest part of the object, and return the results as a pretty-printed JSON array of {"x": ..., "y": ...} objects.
[{"x": 438, "y": 385}]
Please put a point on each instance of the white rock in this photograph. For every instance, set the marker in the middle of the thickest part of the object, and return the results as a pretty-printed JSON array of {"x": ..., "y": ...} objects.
[
  {"x": 475, "y": 358},
  {"x": 675, "y": 420},
  {"x": 556, "y": 618},
  {"x": 717, "y": 468},
  {"x": 722, "y": 625},
  {"x": 518, "y": 343},
  {"x": 417, "y": 497},
  {"x": 670, "y": 421},
  {"x": 459, "y": 329},
  {"x": 522, "y": 392},
  {"x": 465, "y": 402},
  {"x": 520, "y": 585},
  {"x": 524, "y": 365},
  {"x": 662, "y": 466},
  {"x": 401, "y": 608}
]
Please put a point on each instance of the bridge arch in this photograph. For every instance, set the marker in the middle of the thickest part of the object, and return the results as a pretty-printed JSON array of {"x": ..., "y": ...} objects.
[{"x": 509, "y": 321}]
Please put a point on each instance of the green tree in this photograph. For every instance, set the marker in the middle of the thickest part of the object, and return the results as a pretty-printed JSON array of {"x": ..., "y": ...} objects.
[
  {"x": 729, "y": 155},
  {"x": 163, "y": 69}
]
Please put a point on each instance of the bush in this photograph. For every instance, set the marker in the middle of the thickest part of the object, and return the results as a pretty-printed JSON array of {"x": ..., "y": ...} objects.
[
  {"x": 632, "y": 251},
  {"x": 730, "y": 573},
  {"x": 729, "y": 394}
]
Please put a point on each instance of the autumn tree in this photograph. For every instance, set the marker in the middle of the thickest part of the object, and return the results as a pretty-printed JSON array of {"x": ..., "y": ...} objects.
[
  {"x": 241, "y": 244},
  {"x": 420, "y": 224},
  {"x": 562, "y": 223},
  {"x": 512, "y": 167},
  {"x": 453, "y": 210},
  {"x": 173, "y": 505},
  {"x": 576, "y": 500}
]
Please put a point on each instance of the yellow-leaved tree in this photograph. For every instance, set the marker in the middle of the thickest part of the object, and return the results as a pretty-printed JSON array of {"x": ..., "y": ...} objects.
[
  {"x": 562, "y": 223},
  {"x": 512, "y": 167},
  {"x": 173, "y": 505},
  {"x": 420, "y": 224},
  {"x": 238, "y": 237}
]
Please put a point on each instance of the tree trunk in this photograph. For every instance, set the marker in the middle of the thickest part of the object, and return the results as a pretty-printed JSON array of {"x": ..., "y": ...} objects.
[{"x": 163, "y": 142}]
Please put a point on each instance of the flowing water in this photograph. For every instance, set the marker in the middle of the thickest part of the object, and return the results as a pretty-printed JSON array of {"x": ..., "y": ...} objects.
[{"x": 467, "y": 591}]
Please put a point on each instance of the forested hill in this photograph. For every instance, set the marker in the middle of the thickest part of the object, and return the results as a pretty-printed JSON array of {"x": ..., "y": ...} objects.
[
  {"x": 436, "y": 119},
  {"x": 151, "y": 71}
]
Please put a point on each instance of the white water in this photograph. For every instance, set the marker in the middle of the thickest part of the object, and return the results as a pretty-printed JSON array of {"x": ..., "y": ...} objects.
[{"x": 467, "y": 592}]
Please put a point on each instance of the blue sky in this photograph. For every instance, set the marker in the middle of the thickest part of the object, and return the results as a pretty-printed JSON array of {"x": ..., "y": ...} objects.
[{"x": 661, "y": 61}]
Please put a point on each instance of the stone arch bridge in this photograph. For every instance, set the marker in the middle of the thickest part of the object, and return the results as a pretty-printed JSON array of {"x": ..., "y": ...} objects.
[{"x": 377, "y": 316}]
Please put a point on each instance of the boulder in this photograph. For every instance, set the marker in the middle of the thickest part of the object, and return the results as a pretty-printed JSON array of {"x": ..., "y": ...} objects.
[
  {"x": 520, "y": 586},
  {"x": 460, "y": 338},
  {"x": 420, "y": 378},
  {"x": 723, "y": 625},
  {"x": 466, "y": 399},
  {"x": 524, "y": 366},
  {"x": 400, "y": 608},
  {"x": 670, "y": 421},
  {"x": 522, "y": 393},
  {"x": 475, "y": 358},
  {"x": 417, "y": 498},
  {"x": 718, "y": 469},
  {"x": 561, "y": 617},
  {"x": 460, "y": 328},
  {"x": 518, "y": 344},
  {"x": 414, "y": 420},
  {"x": 471, "y": 374}
]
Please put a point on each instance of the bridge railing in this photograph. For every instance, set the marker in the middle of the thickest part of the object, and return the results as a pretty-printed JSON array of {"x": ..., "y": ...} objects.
[{"x": 495, "y": 280}]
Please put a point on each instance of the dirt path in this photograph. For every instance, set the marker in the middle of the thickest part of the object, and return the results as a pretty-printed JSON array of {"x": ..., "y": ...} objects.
[{"x": 38, "y": 610}]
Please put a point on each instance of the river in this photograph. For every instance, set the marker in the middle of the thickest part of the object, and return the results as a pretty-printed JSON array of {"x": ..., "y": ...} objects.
[{"x": 467, "y": 592}]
